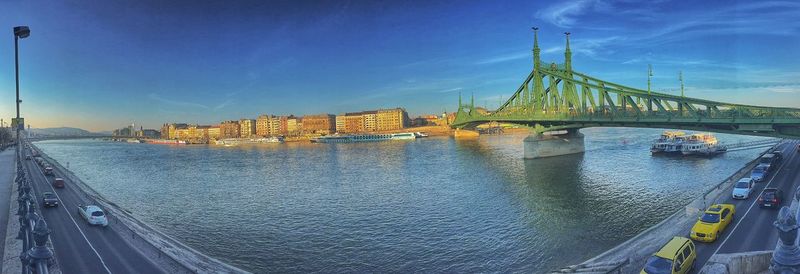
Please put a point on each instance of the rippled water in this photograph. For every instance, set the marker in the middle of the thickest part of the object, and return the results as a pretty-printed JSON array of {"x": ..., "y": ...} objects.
[{"x": 430, "y": 205}]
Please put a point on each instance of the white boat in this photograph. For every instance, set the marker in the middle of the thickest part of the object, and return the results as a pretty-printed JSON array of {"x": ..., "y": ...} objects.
[
  {"x": 238, "y": 141},
  {"x": 420, "y": 134},
  {"x": 364, "y": 138},
  {"x": 133, "y": 140},
  {"x": 662, "y": 144},
  {"x": 702, "y": 144}
]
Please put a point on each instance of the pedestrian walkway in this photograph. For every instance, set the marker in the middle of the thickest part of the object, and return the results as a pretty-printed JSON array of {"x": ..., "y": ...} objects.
[{"x": 6, "y": 179}]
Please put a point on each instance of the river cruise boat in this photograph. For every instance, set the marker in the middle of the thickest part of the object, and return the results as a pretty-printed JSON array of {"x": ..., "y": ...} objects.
[
  {"x": 364, "y": 138},
  {"x": 666, "y": 143},
  {"x": 238, "y": 141},
  {"x": 678, "y": 143},
  {"x": 702, "y": 144},
  {"x": 167, "y": 142}
]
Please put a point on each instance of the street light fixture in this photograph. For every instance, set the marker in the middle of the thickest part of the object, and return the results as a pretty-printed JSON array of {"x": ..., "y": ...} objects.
[{"x": 19, "y": 32}]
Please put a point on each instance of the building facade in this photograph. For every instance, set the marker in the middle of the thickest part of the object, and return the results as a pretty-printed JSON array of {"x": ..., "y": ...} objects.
[
  {"x": 247, "y": 128},
  {"x": 392, "y": 119},
  {"x": 319, "y": 124},
  {"x": 229, "y": 129},
  {"x": 340, "y": 123},
  {"x": 353, "y": 123},
  {"x": 262, "y": 125}
]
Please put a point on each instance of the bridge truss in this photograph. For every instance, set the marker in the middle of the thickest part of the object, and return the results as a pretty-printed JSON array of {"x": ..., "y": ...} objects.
[{"x": 554, "y": 97}]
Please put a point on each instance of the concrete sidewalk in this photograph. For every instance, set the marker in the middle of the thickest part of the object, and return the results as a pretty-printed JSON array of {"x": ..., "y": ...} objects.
[{"x": 6, "y": 179}]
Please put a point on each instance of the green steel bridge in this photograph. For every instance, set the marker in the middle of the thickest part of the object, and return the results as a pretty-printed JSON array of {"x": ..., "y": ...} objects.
[{"x": 554, "y": 98}]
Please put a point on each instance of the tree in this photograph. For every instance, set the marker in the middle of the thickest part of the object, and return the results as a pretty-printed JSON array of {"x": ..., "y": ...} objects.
[{"x": 5, "y": 137}]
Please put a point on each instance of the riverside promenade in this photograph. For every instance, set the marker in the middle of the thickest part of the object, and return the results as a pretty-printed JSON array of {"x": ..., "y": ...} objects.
[{"x": 6, "y": 178}]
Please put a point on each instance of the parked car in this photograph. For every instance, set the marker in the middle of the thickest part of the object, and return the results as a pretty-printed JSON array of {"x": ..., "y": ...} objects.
[
  {"x": 678, "y": 256},
  {"x": 58, "y": 183},
  {"x": 93, "y": 214},
  {"x": 771, "y": 197},
  {"x": 742, "y": 188},
  {"x": 27, "y": 157},
  {"x": 760, "y": 172},
  {"x": 48, "y": 171},
  {"x": 713, "y": 222},
  {"x": 49, "y": 199}
]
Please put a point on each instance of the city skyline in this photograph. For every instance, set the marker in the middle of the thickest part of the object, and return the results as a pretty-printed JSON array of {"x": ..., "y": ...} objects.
[{"x": 97, "y": 66}]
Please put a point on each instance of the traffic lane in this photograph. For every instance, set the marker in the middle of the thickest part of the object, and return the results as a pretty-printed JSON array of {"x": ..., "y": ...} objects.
[
  {"x": 73, "y": 253},
  {"x": 759, "y": 233},
  {"x": 119, "y": 256},
  {"x": 706, "y": 250}
]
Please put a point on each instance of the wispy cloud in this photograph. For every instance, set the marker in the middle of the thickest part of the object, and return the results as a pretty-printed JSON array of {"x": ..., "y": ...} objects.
[
  {"x": 162, "y": 100},
  {"x": 504, "y": 58},
  {"x": 450, "y": 90},
  {"x": 224, "y": 104},
  {"x": 564, "y": 14}
]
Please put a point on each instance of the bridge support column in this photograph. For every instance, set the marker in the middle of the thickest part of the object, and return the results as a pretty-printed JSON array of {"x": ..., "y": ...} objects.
[{"x": 538, "y": 145}]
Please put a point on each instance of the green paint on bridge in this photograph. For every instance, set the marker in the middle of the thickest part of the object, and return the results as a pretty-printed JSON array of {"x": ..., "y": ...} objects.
[{"x": 554, "y": 97}]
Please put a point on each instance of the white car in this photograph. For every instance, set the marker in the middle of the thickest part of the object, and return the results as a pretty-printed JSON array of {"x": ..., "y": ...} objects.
[
  {"x": 742, "y": 188},
  {"x": 93, "y": 214}
]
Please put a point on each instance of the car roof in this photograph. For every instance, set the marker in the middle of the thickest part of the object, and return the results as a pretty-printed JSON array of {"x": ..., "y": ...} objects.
[
  {"x": 669, "y": 250},
  {"x": 768, "y": 155},
  {"x": 771, "y": 190},
  {"x": 93, "y": 208},
  {"x": 47, "y": 193},
  {"x": 745, "y": 179}
]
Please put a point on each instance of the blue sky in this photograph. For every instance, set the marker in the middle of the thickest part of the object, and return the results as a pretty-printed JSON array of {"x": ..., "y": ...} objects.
[{"x": 100, "y": 65}]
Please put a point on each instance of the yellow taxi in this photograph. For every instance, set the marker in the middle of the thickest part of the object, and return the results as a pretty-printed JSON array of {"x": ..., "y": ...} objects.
[
  {"x": 678, "y": 256},
  {"x": 713, "y": 222}
]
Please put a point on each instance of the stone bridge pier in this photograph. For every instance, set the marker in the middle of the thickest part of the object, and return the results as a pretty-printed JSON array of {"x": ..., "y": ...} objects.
[{"x": 538, "y": 145}]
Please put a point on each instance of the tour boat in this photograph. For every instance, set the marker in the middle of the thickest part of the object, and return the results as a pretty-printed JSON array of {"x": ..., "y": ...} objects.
[
  {"x": 667, "y": 142},
  {"x": 702, "y": 144},
  {"x": 364, "y": 138},
  {"x": 167, "y": 142}
]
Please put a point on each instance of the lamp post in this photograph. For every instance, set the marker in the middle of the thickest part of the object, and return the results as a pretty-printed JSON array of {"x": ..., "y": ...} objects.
[{"x": 19, "y": 32}]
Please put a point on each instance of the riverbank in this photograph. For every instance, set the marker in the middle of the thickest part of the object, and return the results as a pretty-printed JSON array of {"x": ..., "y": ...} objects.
[
  {"x": 630, "y": 256},
  {"x": 172, "y": 255}
]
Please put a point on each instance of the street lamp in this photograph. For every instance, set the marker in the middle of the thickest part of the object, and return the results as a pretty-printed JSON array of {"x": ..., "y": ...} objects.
[{"x": 19, "y": 32}]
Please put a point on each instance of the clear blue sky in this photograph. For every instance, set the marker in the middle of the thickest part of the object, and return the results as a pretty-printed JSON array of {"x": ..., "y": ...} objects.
[{"x": 100, "y": 65}]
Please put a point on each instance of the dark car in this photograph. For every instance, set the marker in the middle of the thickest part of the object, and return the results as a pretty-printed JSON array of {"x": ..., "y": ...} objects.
[
  {"x": 778, "y": 156},
  {"x": 58, "y": 182},
  {"x": 771, "y": 197},
  {"x": 49, "y": 199}
]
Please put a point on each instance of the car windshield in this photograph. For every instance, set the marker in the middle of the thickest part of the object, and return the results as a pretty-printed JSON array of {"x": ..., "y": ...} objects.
[
  {"x": 769, "y": 195},
  {"x": 758, "y": 170},
  {"x": 710, "y": 218},
  {"x": 766, "y": 160},
  {"x": 742, "y": 184},
  {"x": 658, "y": 265},
  {"x": 97, "y": 213}
]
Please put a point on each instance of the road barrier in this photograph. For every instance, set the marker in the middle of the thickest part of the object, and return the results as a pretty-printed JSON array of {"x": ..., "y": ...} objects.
[{"x": 36, "y": 256}]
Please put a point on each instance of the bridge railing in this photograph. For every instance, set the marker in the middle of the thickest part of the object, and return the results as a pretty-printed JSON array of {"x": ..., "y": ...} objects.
[{"x": 36, "y": 256}]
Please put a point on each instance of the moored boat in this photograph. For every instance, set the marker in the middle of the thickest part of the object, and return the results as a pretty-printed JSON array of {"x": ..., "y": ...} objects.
[
  {"x": 364, "y": 138},
  {"x": 167, "y": 142}
]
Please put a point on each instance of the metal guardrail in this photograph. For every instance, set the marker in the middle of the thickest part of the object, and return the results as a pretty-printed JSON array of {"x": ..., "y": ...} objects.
[{"x": 36, "y": 257}]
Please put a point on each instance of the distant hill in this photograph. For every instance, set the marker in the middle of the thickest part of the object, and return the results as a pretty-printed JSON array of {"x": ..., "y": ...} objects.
[{"x": 62, "y": 131}]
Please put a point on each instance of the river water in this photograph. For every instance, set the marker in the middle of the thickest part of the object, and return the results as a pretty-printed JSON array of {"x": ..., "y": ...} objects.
[{"x": 430, "y": 205}]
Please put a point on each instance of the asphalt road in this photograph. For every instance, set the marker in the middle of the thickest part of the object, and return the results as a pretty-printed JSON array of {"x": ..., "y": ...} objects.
[
  {"x": 752, "y": 229},
  {"x": 79, "y": 247}
]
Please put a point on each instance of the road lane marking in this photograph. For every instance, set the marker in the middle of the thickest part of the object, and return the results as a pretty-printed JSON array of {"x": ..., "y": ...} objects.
[
  {"x": 783, "y": 162},
  {"x": 74, "y": 222}
]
